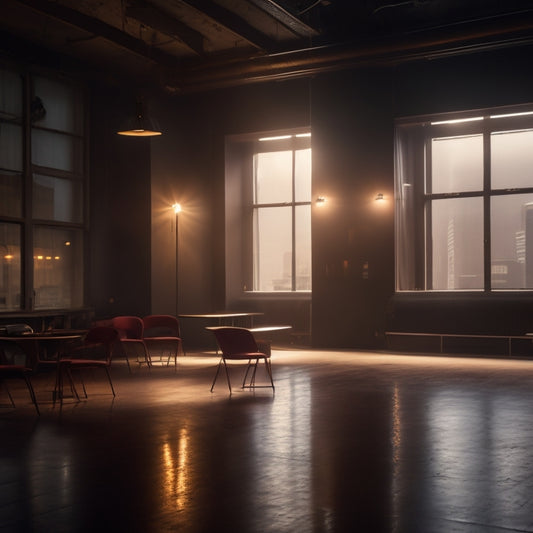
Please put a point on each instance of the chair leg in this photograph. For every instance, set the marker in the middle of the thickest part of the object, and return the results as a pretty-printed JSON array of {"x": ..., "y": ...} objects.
[
  {"x": 4, "y": 384},
  {"x": 109, "y": 379},
  {"x": 216, "y": 375},
  {"x": 268, "y": 366},
  {"x": 246, "y": 373},
  {"x": 227, "y": 375},
  {"x": 32, "y": 393}
]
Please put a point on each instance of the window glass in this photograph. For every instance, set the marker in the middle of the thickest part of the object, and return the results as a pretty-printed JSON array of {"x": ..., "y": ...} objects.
[
  {"x": 10, "y": 194},
  {"x": 303, "y": 247},
  {"x": 512, "y": 241},
  {"x": 272, "y": 249},
  {"x": 10, "y": 267},
  {"x": 511, "y": 159},
  {"x": 457, "y": 244},
  {"x": 58, "y": 106},
  {"x": 273, "y": 177},
  {"x": 57, "y": 268},
  {"x": 57, "y": 199},
  {"x": 302, "y": 175},
  {"x": 55, "y": 150},
  {"x": 456, "y": 164},
  {"x": 10, "y": 95},
  {"x": 10, "y": 146}
]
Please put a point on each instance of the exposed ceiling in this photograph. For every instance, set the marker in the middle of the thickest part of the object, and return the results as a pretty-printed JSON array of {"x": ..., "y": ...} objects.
[{"x": 192, "y": 45}]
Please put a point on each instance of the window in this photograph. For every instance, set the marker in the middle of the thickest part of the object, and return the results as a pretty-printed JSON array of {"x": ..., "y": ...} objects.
[
  {"x": 282, "y": 215},
  {"x": 41, "y": 193},
  {"x": 464, "y": 192},
  {"x": 268, "y": 213}
]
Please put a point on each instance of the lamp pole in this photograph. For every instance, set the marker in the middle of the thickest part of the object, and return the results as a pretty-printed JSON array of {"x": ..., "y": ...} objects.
[{"x": 177, "y": 210}]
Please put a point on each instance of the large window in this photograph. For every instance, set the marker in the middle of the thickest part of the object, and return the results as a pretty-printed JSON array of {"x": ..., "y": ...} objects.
[
  {"x": 464, "y": 198},
  {"x": 281, "y": 214},
  {"x": 268, "y": 215},
  {"x": 41, "y": 193}
]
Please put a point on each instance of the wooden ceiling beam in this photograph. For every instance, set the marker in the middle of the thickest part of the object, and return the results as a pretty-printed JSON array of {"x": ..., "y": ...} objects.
[
  {"x": 288, "y": 20},
  {"x": 157, "y": 19},
  {"x": 100, "y": 29},
  {"x": 234, "y": 23}
]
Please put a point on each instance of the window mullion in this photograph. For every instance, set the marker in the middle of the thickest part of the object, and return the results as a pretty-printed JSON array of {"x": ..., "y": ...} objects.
[
  {"x": 28, "y": 303},
  {"x": 293, "y": 212},
  {"x": 486, "y": 209},
  {"x": 427, "y": 225}
]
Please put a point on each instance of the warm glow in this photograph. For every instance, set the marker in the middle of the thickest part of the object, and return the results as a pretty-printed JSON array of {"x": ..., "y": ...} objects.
[
  {"x": 9, "y": 256},
  {"x": 139, "y": 133},
  {"x": 275, "y": 138},
  {"x": 40, "y": 257},
  {"x": 67, "y": 243},
  {"x": 380, "y": 197},
  {"x": 508, "y": 115},
  {"x": 177, "y": 208},
  {"x": 321, "y": 200},
  {"x": 176, "y": 470},
  {"x": 57, "y": 258},
  {"x": 457, "y": 121}
]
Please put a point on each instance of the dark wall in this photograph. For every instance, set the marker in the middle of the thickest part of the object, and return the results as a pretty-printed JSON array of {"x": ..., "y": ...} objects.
[
  {"x": 119, "y": 248},
  {"x": 353, "y": 261},
  {"x": 352, "y": 115}
]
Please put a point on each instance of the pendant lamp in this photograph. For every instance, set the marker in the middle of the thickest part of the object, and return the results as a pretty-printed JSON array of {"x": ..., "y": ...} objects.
[{"x": 140, "y": 125}]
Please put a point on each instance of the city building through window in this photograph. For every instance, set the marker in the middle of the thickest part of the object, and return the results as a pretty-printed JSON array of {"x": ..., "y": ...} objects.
[{"x": 464, "y": 201}]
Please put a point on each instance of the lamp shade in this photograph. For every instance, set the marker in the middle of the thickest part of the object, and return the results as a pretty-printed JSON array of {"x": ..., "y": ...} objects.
[{"x": 139, "y": 125}]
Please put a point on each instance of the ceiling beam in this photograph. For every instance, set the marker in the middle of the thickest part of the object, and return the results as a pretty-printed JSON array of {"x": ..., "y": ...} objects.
[
  {"x": 100, "y": 29},
  {"x": 288, "y": 20},
  {"x": 514, "y": 31},
  {"x": 157, "y": 19},
  {"x": 233, "y": 22}
]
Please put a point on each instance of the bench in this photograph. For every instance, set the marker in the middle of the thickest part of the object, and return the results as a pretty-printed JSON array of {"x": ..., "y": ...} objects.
[{"x": 443, "y": 336}]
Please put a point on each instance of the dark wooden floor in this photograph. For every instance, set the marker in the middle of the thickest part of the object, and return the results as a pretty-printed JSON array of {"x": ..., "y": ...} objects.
[{"x": 350, "y": 441}]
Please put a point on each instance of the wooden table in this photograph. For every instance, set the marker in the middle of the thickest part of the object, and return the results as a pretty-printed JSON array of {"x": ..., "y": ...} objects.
[
  {"x": 35, "y": 345},
  {"x": 225, "y": 316}
]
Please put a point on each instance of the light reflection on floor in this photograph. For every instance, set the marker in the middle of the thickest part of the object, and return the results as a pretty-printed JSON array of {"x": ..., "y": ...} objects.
[{"x": 349, "y": 441}]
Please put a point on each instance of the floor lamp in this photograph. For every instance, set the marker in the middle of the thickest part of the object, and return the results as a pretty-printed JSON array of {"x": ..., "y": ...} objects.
[{"x": 177, "y": 211}]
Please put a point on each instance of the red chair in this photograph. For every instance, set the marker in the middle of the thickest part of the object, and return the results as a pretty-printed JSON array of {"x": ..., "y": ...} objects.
[
  {"x": 9, "y": 370},
  {"x": 162, "y": 337},
  {"x": 131, "y": 330},
  {"x": 95, "y": 352},
  {"x": 238, "y": 344}
]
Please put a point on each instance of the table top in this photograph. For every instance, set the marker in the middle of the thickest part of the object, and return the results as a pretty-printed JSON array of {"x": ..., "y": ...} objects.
[
  {"x": 266, "y": 329},
  {"x": 41, "y": 337},
  {"x": 221, "y": 315},
  {"x": 259, "y": 329}
]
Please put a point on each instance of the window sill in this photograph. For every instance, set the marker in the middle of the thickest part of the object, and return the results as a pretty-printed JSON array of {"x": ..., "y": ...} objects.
[{"x": 277, "y": 295}]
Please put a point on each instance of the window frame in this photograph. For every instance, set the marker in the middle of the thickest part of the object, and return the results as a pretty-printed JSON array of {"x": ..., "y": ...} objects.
[
  {"x": 292, "y": 144},
  {"x": 26, "y": 221},
  {"x": 425, "y": 129}
]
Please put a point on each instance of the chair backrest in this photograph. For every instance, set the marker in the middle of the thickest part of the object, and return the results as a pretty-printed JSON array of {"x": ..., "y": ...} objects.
[
  {"x": 102, "y": 336},
  {"x": 161, "y": 326},
  {"x": 234, "y": 341},
  {"x": 129, "y": 327}
]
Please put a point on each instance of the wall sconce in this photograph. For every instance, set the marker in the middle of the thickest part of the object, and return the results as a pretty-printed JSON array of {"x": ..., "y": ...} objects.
[
  {"x": 380, "y": 197},
  {"x": 139, "y": 125},
  {"x": 320, "y": 200}
]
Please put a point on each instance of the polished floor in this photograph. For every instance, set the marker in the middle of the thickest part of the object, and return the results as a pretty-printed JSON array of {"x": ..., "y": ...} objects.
[{"x": 349, "y": 442}]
